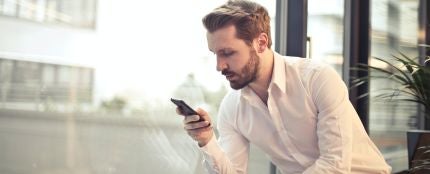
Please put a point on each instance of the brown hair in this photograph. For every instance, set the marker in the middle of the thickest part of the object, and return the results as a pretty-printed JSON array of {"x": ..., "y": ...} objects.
[{"x": 249, "y": 18}]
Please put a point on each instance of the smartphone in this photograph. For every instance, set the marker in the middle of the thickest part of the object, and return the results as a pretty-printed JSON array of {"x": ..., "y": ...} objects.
[{"x": 186, "y": 110}]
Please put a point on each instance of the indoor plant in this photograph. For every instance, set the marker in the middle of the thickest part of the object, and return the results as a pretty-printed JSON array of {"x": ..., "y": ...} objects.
[{"x": 413, "y": 85}]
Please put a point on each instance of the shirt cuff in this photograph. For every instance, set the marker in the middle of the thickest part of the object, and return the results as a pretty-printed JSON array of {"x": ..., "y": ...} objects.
[{"x": 211, "y": 151}]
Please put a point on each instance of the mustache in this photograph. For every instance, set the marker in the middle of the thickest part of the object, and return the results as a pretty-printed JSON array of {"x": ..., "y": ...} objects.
[{"x": 227, "y": 72}]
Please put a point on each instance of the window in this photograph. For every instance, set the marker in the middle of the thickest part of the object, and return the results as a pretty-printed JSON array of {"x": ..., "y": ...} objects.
[
  {"x": 77, "y": 13},
  {"x": 48, "y": 74},
  {"x": 115, "y": 116},
  {"x": 325, "y": 32},
  {"x": 394, "y": 29}
]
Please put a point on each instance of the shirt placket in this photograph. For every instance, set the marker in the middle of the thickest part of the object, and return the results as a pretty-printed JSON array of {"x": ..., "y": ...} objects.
[{"x": 283, "y": 133}]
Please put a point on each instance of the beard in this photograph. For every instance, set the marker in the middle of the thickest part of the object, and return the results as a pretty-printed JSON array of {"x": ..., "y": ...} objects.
[{"x": 247, "y": 74}]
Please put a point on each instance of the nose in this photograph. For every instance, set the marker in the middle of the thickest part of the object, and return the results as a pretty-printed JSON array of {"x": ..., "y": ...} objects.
[{"x": 221, "y": 64}]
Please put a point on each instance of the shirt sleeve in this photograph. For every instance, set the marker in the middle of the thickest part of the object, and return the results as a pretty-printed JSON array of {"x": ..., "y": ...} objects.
[
  {"x": 230, "y": 154},
  {"x": 334, "y": 126}
]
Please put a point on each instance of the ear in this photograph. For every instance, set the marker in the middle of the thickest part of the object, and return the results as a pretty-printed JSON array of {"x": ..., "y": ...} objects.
[{"x": 262, "y": 41}]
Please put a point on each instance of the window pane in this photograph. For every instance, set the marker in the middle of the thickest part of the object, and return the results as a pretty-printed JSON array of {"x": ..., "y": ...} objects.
[
  {"x": 394, "y": 29},
  {"x": 325, "y": 31},
  {"x": 9, "y": 7},
  {"x": 48, "y": 74},
  {"x": 77, "y": 13},
  {"x": 26, "y": 9},
  {"x": 6, "y": 68}
]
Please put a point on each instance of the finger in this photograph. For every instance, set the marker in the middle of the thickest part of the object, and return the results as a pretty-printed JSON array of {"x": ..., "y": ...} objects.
[
  {"x": 197, "y": 125},
  {"x": 198, "y": 132},
  {"x": 203, "y": 129},
  {"x": 191, "y": 118},
  {"x": 179, "y": 111}
]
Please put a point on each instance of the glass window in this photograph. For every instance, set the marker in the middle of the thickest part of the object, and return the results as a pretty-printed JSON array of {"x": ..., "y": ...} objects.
[
  {"x": 325, "y": 32},
  {"x": 9, "y": 7},
  {"x": 65, "y": 75},
  {"x": 26, "y": 9},
  {"x": 6, "y": 68},
  {"x": 48, "y": 74},
  {"x": 115, "y": 117},
  {"x": 77, "y": 13},
  {"x": 86, "y": 77},
  {"x": 25, "y": 81},
  {"x": 394, "y": 30}
]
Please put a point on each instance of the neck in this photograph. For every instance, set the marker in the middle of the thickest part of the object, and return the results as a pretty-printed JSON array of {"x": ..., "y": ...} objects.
[{"x": 261, "y": 84}]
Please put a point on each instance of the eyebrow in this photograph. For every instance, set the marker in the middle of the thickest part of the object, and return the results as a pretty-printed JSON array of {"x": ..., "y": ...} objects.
[{"x": 223, "y": 49}]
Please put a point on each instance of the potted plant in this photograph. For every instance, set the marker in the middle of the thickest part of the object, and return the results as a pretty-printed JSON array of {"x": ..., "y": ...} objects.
[
  {"x": 413, "y": 85},
  {"x": 419, "y": 152}
]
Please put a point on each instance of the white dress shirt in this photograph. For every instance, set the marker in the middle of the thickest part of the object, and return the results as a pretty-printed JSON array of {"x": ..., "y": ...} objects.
[{"x": 308, "y": 126}]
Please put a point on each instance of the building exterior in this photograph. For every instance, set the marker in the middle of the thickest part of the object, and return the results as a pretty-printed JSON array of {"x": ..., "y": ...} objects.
[{"x": 38, "y": 86}]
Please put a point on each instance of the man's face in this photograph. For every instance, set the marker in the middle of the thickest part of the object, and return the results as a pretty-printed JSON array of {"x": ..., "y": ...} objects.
[{"x": 236, "y": 60}]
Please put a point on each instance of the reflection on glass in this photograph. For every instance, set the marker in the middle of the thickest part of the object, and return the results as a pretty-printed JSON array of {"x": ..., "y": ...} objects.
[
  {"x": 9, "y": 7},
  {"x": 325, "y": 31},
  {"x": 394, "y": 30},
  {"x": 48, "y": 75},
  {"x": 101, "y": 105},
  {"x": 78, "y": 13}
]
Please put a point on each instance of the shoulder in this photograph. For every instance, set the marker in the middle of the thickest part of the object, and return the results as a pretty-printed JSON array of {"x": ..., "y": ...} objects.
[
  {"x": 305, "y": 73},
  {"x": 304, "y": 65},
  {"x": 305, "y": 68}
]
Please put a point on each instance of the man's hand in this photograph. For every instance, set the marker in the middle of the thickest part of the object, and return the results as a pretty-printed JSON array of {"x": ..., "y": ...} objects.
[{"x": 199, "y": 127}]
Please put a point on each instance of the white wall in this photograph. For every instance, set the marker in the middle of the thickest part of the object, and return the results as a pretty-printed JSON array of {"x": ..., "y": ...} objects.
[{"x": 46, "y": 42}]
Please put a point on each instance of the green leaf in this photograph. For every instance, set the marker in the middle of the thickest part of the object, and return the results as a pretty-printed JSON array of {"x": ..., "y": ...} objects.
[{"x": 411, "y": 78}]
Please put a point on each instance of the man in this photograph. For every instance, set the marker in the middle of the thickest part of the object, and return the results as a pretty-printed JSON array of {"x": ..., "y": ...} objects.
[{"x": 296, "y": 110}]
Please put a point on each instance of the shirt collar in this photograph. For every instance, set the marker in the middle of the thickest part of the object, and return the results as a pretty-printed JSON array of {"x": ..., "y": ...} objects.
[
  {"x": 278, "y": 73},
  {"x": 278, "y": 77}
]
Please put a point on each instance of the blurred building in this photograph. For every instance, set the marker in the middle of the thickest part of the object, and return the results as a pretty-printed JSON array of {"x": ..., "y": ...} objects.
[{"x": 30, "y": 85}]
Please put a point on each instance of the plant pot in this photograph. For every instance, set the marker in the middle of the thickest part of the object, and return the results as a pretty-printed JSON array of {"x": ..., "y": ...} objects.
[{"x": 419, "y": 151}]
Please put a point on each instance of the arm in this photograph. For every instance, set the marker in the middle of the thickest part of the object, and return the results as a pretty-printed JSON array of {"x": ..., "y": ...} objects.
[
  {"x": 334, "y": 126},
  {"x": 230, "y": 154}
]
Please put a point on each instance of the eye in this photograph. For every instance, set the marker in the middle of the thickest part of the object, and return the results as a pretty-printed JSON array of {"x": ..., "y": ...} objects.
[{"x": 228, "y": 53}]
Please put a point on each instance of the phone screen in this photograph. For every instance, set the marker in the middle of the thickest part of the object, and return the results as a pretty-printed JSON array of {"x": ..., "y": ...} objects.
[{"x": 186, "y": 110}]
